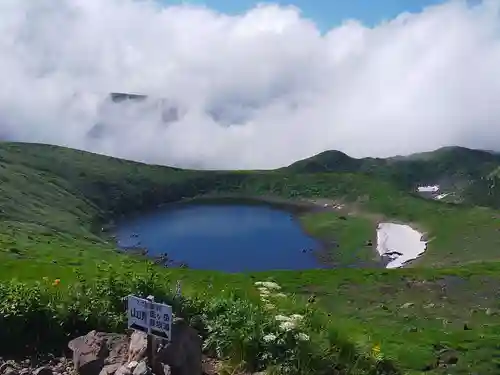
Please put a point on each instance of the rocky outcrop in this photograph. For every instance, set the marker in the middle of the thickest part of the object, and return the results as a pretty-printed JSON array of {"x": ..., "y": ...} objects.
[
  {"x": 183, "y": 355},
  {"x": 99, "y": 353},
  {"x": 97, "y": 349}
]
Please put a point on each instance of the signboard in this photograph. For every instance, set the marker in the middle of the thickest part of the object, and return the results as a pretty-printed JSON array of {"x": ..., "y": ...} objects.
[
  {"x": 150, "y": 317},
  {"x": 138, "y": 314},
  {"x": 160, "y": 320}
]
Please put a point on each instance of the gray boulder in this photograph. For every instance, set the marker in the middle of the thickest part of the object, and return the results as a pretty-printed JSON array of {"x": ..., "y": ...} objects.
[
  {"x": 183, "y": 355},
  {"x": 99, "y": 353},
  {"x": 97, "y": 349}
]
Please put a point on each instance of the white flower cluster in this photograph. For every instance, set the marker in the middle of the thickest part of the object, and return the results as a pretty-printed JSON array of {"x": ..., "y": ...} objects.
[
  {"x": 268, "y": 285},
  {"x": 268, "y": 289},
  {"x": 288, "y": 322}
]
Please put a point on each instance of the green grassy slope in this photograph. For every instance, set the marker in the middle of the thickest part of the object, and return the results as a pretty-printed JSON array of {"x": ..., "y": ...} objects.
[
  {"x": 465, "y": 171},
  {"x": 53, "y": 200}
]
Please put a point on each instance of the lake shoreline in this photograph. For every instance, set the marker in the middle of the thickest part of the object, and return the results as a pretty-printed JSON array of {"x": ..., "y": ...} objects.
[{"x": 295, "y": 207}]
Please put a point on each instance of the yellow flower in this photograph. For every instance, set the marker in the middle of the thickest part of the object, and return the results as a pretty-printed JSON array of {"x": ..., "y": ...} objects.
[
  {"x": 376, "y": 353},
  {"x": 56, "y": 282}
]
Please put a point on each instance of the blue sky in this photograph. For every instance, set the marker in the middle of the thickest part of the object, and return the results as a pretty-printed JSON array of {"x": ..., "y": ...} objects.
[{"x": 327, "y": 13}]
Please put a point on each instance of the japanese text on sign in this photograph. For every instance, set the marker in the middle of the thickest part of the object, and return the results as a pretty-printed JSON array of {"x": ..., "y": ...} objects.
[{"x": 150, "y": 317}]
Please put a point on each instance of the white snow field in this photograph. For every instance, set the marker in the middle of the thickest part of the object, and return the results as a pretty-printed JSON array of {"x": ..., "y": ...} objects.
[
  {"x": 428, "y": 189},
  {"x": 400, "y": 242}
]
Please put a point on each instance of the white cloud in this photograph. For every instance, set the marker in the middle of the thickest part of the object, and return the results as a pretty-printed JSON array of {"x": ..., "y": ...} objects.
[{"x": 257, "y": 90}]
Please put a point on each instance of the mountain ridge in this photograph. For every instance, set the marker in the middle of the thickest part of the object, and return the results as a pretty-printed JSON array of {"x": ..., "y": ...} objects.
[{"x": 465, "y": 172}]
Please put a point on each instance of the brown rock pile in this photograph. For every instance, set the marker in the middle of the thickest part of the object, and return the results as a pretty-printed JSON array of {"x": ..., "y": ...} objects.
[{"x": 99, "y": 353}]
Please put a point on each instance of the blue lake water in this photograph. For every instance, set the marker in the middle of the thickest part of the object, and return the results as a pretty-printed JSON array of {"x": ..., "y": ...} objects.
[{"x": 231, "y": 238}]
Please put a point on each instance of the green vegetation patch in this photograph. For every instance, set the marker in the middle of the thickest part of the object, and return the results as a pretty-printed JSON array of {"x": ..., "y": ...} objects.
[
  {"x": 54, "y": 202},
  {"x": 349, "y": 240}
]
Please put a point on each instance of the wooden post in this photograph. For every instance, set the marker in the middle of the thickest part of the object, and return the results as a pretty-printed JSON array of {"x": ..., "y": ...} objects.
[{"x": 152, "y": 349}]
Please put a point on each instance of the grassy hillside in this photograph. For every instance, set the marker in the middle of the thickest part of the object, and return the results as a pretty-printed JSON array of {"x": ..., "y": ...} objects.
[
  {"x": 54, "y": 201},
  {"x": 464, "y": 171}
]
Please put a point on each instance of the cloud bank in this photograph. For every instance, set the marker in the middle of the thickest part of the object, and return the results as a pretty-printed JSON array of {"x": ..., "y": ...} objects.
[{"x": 257, "y": 90}]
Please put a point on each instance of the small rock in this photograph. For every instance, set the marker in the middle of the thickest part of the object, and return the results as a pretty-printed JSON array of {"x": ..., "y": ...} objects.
[
  {"x": 109, "y": 369},
  {"x": 123, "y": 370},
  {"x": 141, "y": 369},
  {"x": 407, "y": 304},
  {"x": 137, "y": 347},
  {"x": 132, "y": 365},
  {"x": 3, "y": 366},
  {"x": 429, "y": 306},
  {"x": 167, "y": 370},
  {"x": 8, "y": 370},
  {"x": 448, "y": 357},
  {"x": 43, "y": 371}
]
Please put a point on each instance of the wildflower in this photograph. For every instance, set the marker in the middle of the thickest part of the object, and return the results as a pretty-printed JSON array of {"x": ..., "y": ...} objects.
[
  {"x": 281, "y": 295},
  {"x": 282, "y": 318},
  {"x": 271, "y": 285},
  {"x": 267, "y": 284},
  {"x": 56, "y": 282},
  {"x": 269, "y": 338},
  {"x": 264, "y": 291},
  {"x": 302, "y": 336},
  {"x": 45, "y": 278},
  {"x": 376, "y": 352},
  {"x": 269, "y": 306},
  {"x": 296, "y": 317},
  {"x": 287, "y": 326}
]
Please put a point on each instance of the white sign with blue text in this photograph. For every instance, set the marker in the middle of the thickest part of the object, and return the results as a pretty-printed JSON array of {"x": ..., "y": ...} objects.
[{"x": 150, "y": 317}]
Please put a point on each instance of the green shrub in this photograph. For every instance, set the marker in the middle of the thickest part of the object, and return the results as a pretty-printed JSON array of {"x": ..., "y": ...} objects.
[{"x": 43, "y": 316}]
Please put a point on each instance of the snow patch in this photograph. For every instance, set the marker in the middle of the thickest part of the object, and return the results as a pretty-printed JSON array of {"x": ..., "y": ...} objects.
[
  {"x": 401, "y": 243},
  {"x": 441, "y": 196},
  {"x": 428, "y": 189}
]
